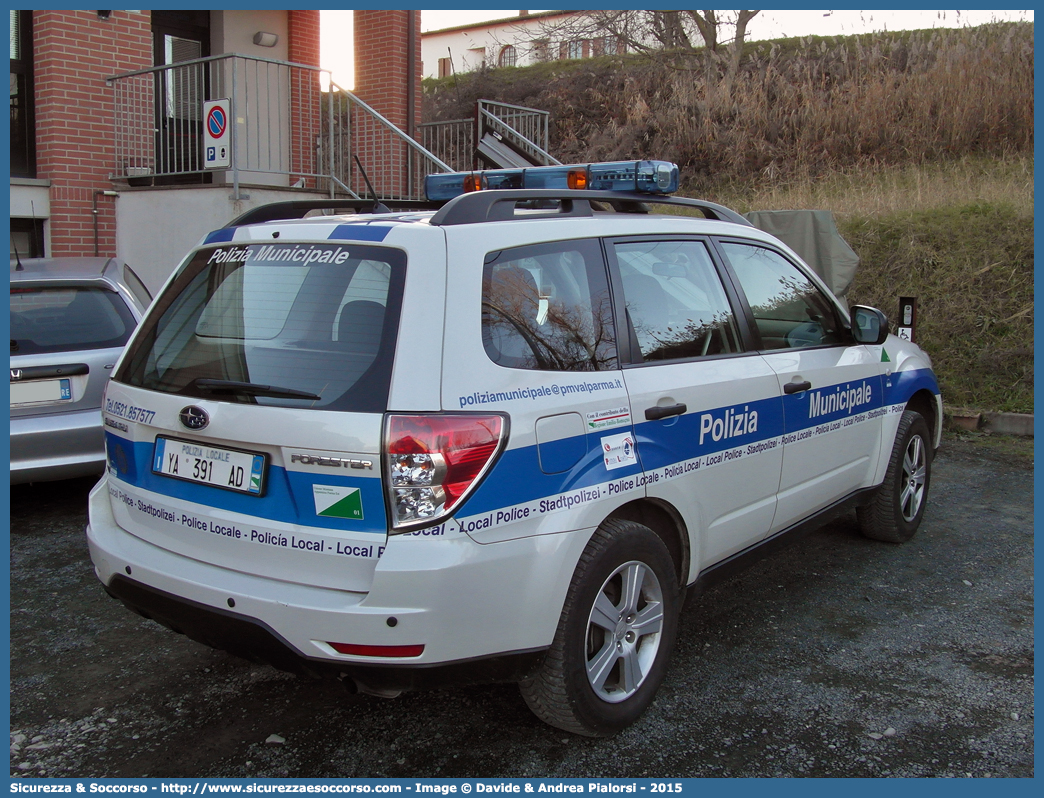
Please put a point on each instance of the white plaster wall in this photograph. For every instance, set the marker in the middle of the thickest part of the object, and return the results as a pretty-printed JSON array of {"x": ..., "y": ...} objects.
[
  {"x": 233, "y": 32},
  {"x": 156, "y": 229},
  {"x": 30, "y": 199},
  {"x": 489, "y": 38},
  {"x": 261, "y": 127}
]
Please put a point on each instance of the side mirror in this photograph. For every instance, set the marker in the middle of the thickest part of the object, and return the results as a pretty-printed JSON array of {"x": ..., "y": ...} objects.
[{"x": 869, "y": 325}]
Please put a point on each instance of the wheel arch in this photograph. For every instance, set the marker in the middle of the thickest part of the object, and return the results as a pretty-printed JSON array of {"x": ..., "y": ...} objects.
[
  {"x": 667, "y": 523},
  {"x": 926, "y": 403}
]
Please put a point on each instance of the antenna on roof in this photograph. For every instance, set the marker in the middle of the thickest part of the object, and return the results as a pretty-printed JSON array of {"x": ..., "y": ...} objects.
[
  {"x": 18, "y": 258},
  {"x": 378, "y": 206}
]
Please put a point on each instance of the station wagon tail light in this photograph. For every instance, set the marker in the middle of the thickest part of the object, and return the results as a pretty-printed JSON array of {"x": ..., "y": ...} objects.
[
  {"x": 433, "y": 461},
  {"x": 635, "y": 177}
]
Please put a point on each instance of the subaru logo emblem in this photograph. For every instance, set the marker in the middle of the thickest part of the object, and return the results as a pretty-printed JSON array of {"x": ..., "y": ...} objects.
[{"x": 194, "y": 417}]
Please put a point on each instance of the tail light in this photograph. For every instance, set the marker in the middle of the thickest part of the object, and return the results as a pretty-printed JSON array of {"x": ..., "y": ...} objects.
[
  {"x": 433, "y": 461},
  {"x": 377, "y": 651}
]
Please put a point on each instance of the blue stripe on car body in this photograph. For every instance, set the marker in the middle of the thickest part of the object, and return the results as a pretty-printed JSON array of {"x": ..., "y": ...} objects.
[
  {"x": 360, "y": 232},
  {"x": 660, "y": 446},
  {"x": 287, "y": 498}
]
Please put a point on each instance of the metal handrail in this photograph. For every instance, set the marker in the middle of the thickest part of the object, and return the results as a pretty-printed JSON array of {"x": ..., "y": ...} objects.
[
  {"x": 396, "y": 131},
  {"x": 509, "y": 132},
  {"x": 455, "y": 140},
  {"x": 528, "y": 128},
  {"x": 209, "y": 59},
  {"x": 288, "y": 130}
]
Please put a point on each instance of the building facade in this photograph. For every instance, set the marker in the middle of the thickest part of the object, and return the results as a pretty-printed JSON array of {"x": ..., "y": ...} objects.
[
  {"x": 107, "y": 131},
  {"x": 519, "y": 40}
]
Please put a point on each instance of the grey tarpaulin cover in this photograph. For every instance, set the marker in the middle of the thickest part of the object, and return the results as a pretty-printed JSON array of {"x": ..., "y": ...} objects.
[{"x": 813, "y": 235}]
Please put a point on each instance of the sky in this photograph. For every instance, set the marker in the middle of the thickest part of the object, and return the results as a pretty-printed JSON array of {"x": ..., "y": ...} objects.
[{"x": 336, "y": 27}]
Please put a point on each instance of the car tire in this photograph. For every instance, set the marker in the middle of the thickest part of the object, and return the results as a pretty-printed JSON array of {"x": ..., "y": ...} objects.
[
  {"x": 612, "y": 644},
  {"x": 898, "y": 505}
]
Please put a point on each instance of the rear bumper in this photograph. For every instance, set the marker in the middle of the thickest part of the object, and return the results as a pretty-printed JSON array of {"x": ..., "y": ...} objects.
[
  {"x": 464, "y": 602},
  {"x": 252, "y": 639},
  {"x": 58, "y": 446}
]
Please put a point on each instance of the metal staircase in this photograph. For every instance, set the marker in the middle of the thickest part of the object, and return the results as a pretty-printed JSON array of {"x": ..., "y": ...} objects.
[
  {"x": 292, "y": 127},
  {"x": 500, "y": 135}
]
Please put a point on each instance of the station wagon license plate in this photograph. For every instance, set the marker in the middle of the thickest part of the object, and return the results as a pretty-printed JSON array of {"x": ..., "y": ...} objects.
[
  {"x": 41, "y": 391},
  {"x": 230, "y": 469}
]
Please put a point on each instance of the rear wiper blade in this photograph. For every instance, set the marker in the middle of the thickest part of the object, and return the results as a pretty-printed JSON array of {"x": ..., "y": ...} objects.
[{"x": 252, "y": 388}]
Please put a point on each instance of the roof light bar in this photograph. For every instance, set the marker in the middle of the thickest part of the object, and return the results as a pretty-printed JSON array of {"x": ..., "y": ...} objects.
[{"x": 635, "y": 177}]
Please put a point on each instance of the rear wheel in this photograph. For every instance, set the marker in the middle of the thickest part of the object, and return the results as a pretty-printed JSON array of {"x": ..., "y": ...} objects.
[
  {"x": 897, "y": 507},
  {"x": 615, "y": 635}
]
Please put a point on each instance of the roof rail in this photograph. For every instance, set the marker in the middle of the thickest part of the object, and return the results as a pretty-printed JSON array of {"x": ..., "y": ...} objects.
[
  {"x": 499, "y": 205},
  {"x": 297, "y": 209}
]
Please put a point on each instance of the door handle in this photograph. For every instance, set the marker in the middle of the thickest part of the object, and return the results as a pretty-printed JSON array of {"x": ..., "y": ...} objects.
[
  {"x": 656, "y": 413},
  {"x": 796, "y": 387}
]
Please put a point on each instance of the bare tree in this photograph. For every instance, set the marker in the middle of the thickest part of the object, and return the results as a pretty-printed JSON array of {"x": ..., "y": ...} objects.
[
  {"x": 710, "y": 24},
  {"x": 673, "y": 35}
]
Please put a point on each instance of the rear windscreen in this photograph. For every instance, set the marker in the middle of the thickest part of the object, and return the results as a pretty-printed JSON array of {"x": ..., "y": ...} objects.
[
  {"x": 67, "y": 319},
  {"x": 256, "y": 323}
]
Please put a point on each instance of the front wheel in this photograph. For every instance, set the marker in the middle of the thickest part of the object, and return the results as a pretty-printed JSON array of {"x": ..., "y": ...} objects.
[
  {"x": 896, "y": 509},
  {"x": 615, "y": 635}
]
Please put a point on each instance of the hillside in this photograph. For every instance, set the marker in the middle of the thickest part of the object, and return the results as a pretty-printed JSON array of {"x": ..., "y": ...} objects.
[
  {"x": 799, "y": 107},
  {"x": 921, "y": 143}
]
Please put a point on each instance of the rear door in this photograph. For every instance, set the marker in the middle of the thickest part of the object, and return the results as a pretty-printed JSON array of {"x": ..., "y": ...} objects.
[
  {"x": 708, "y": 416},
  {"x": 531, "y": 336},
  {"x": 244, "y": 425}
]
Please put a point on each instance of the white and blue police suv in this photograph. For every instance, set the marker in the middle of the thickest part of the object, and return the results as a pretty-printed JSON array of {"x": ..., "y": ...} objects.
[{"x": 493, "y": 441}]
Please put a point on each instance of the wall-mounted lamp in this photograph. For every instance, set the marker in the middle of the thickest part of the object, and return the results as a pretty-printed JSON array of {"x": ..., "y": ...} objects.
[
  {"x": 104, "y": 14},
  {"x": 262, "y": 39}
]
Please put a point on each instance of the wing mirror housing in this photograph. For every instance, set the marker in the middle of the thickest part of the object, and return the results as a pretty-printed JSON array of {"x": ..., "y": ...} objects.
[{"x": 869, "y": 325}]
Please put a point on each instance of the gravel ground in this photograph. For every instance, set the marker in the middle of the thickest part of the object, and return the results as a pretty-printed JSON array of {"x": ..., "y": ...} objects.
[{"x": 838, "y": 657}]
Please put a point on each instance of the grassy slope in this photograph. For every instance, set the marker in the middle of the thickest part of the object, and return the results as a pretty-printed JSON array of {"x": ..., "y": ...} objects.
[
  {"x": 958, "y": 236},
  {"x": 971, "y": 267},
  {"x": 913, "y": 141}
]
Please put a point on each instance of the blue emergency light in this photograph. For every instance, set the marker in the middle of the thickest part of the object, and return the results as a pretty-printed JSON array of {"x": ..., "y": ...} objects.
[{"x": 635, "y": 177}]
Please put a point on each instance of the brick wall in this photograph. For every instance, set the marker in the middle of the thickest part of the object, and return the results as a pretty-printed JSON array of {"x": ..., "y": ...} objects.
[
  {"x": 382, "y": 63},
  {"x": 303, "y": 48},
  {"x": 73, "y": 52},
  {"x": 382, "y": 69},
  {"x": 303, "y": 44}
]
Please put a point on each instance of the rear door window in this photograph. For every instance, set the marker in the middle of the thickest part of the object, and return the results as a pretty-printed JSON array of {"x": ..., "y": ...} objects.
[
  {"x": 317, "y": 318},
  {"x": 675, "y": 302},
  {"x": 67, "y": 319}
]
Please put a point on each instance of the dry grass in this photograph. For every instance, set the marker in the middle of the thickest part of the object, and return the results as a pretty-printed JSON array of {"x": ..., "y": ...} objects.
[
  {"x": 819, "y": 105},
  {"x": 877, "y": 191},
  {"x": 958, "y": 236},
  {"x": 798, "y": 110}
]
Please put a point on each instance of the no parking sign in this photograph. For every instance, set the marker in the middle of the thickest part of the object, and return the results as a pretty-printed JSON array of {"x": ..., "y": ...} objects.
[{"x": 217, "y": 135}]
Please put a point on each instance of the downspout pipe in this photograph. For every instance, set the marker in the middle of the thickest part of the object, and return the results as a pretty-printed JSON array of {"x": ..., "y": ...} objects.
[
  {"x": 94, "y": 213},
  {"x": 411, "y": 75}
]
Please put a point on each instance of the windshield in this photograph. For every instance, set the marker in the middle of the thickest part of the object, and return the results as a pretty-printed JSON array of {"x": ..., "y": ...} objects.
[{"x": 295, "y": 325}]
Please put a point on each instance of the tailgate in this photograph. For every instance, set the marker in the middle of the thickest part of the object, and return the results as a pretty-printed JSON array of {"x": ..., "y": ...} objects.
[{"x": 283, "y": 493}]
